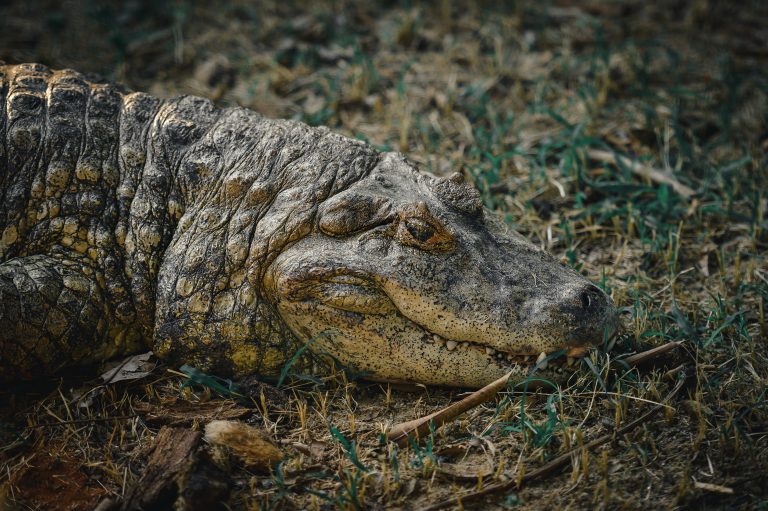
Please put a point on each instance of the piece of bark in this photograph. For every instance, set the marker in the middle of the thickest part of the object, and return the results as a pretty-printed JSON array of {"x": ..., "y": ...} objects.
[
  {"x": 179, "y": 412},
  {"x": 202, "y": 486},
  {"x": 178, "y": 476}
]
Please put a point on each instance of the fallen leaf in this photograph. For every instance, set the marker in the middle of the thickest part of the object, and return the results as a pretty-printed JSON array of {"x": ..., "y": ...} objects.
[{"x": 131, "y": 368}]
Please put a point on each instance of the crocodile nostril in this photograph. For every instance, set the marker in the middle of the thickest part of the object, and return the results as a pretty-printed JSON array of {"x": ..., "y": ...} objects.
[
  {"x": 586, "y": 300},
  {"x": 590, "y": 298}
]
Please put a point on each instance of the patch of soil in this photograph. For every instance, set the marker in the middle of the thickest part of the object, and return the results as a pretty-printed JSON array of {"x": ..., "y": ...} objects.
[{"x": 57, "y": 483}]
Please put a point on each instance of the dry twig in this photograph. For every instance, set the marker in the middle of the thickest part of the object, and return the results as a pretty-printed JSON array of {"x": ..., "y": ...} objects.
[
  {"x": 646, "y": 356},
  {"x": 655, "y": 175},
  {"x": 418, "y": 427}
]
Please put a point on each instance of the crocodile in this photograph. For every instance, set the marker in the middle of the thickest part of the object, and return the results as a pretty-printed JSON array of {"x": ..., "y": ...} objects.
[{"x": 229, "y": 241}]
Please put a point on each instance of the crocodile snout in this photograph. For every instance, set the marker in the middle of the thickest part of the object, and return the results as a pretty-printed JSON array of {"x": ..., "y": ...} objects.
[{"x": 591, "y": 313}]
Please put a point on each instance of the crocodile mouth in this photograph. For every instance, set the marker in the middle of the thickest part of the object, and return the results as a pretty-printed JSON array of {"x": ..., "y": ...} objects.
[
  {"x": 389, "y": 333},
  {"x": 358, "y": 294}
]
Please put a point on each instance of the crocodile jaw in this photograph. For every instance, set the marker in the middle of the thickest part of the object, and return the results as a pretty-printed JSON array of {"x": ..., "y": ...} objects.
[{"x": 390, "y": 347}]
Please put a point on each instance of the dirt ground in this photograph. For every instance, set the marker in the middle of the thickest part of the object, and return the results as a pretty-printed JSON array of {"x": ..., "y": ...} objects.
[{"x": 629, "y": 138}]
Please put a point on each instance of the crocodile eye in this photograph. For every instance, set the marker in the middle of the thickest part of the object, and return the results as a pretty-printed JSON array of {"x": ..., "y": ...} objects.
[{"x": 419, "y": 229}]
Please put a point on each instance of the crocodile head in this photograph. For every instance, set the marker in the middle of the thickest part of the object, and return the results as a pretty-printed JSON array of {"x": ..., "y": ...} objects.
[{"x": 408, "y": 278}]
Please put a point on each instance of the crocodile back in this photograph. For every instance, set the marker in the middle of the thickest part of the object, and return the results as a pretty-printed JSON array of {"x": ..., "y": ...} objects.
[{"x": 58, "y": 140}]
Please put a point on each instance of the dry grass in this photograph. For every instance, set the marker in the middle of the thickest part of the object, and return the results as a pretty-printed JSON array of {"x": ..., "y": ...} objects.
[{"x": 530, "y": 101}]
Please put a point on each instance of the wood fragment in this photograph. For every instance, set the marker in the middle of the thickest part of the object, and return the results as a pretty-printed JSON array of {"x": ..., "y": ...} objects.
[
  {"x": 656, "y": 175},
  {"x": 672, "y": 373},
  {"x": 646, "y": 356},
  {"x": 560, "y": 461},
  {"x": 156, "y": 487},
  {"x": 108, "y": 504},
  {"x": 463, "y": 472},
  {"x": 178, "y": 476},
  {"x": 716, "y": 488}
]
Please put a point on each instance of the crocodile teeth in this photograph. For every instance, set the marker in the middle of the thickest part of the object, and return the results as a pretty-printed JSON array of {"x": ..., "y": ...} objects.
[{"x": 541, "y": 359}]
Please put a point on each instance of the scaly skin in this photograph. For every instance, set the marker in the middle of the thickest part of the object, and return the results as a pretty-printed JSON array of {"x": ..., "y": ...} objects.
[{"x": 225, "y": 240}]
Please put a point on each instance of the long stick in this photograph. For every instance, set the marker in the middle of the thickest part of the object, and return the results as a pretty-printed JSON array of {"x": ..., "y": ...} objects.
[
  {"x": 655, "y": 175},
  {"x": 420, "y": 426}
]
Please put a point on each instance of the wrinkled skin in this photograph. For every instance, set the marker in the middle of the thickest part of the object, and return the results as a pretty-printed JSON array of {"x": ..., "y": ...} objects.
[{"x": 225, "y": 240}]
